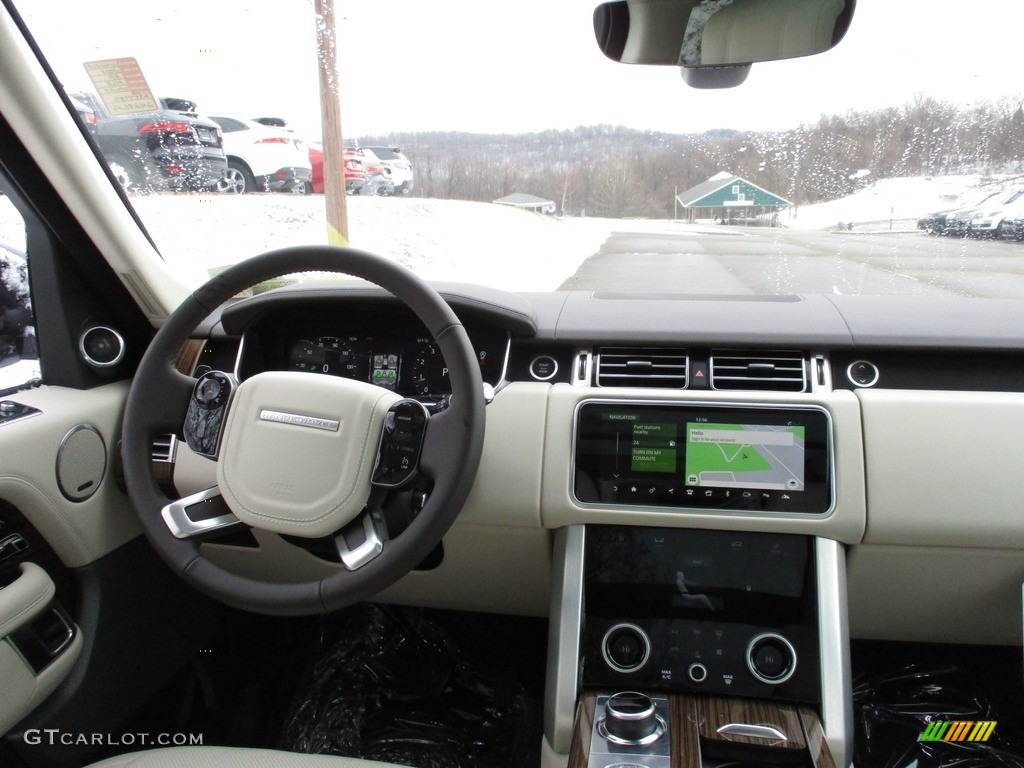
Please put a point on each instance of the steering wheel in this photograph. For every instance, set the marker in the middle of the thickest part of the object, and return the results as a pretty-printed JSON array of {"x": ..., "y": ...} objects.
[{"x": 302, "y": 454}]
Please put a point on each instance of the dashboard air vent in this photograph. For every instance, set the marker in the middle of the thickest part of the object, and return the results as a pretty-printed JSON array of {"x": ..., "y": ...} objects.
[
  {"x": 642, "y": 367},
  {"x": 758, "y": 371},
  {"x": 164, "y": 447}
]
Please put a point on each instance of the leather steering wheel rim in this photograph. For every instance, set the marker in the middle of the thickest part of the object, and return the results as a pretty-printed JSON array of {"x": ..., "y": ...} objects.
[{"x": 159, "y": 396}]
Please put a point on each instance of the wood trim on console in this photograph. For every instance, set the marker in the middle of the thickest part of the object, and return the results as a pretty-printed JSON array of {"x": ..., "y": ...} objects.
[
  {"x": 683, "y": 731},
  {"x": 698, "y": 717},
  {"x": 579, "y": 752}
]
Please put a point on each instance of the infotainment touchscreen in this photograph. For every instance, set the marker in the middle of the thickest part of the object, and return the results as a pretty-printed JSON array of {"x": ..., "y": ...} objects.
[{"x": 704, "y": 456}]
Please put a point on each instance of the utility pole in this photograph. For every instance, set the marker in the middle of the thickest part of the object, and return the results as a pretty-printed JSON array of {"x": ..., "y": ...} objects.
[{"x": 330, "y": 123}]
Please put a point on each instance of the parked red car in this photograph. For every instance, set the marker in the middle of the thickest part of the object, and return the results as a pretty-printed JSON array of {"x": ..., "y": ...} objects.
[
  {"x": 355, "y": 175},
  {"x": 361, "y": 177}
]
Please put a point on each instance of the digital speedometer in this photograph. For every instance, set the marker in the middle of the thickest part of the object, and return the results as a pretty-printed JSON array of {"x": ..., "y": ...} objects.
[{"x": 325, "y": 354}]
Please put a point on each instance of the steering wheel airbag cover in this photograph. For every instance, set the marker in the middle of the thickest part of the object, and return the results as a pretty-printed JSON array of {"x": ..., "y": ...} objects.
[{"x": 298, "y": 451}]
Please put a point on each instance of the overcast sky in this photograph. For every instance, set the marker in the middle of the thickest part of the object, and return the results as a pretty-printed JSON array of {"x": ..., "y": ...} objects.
[{"x": 480, "y": 66}]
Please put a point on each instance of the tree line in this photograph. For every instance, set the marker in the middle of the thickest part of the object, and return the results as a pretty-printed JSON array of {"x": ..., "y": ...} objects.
[{"x": 617, "y": 172}]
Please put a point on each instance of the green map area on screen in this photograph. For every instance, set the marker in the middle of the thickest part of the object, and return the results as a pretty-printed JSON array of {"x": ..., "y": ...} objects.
[{"x": 745, "y": 456}]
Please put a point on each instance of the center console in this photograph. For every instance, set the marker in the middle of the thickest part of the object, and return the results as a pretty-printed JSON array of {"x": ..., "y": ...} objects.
[
  {"x": 712, "y": 612},
  {"x": 683, "y": 647}
]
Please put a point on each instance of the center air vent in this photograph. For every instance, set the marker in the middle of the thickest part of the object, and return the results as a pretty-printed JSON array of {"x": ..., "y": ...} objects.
[
  {"x": 642, "y": 367},
  {"x": 758, "y": 371}
]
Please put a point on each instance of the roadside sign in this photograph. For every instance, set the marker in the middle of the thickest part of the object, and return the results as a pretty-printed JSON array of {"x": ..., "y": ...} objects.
[{"x": 121, "y": 86}]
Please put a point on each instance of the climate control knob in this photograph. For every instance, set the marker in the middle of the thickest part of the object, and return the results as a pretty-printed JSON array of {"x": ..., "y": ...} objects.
[
  {"x": 626, "y": 648},
  {"x": 771, "y": 658}
]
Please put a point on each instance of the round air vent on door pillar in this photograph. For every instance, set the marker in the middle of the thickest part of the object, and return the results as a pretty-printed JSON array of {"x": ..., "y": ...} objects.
[
  {"x": 101, "y": 346},
  {"x": 81, "y": 463}
]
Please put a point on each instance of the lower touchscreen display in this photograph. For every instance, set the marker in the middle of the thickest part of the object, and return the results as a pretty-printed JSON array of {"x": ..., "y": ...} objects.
[{"x": 704, "y": 456}]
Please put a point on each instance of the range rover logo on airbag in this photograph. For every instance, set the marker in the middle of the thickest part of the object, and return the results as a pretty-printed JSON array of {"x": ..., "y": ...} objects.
[{"x": 331, "y": 425}]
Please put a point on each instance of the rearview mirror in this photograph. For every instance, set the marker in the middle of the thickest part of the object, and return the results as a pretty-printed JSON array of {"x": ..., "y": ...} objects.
[{"x": 716, "y": 41}]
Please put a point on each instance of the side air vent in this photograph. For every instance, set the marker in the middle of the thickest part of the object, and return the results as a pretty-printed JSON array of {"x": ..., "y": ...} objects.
[
  {"x": 164, "y": 447},
  {"x": 758, "y": 371},
  {"x": 642, "y": 367}
]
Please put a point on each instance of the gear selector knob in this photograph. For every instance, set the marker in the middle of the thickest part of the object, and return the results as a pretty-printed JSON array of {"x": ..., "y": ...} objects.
[{"x": 630, "y": 718}]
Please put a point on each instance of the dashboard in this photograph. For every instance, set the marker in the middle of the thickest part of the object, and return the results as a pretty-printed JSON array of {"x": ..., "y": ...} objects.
[
  {"x": 842, "y": 418},
  {"x": 384, "y": 344}
]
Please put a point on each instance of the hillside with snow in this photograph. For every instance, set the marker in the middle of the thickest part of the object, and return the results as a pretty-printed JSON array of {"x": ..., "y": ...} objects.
[{"x": 901, "y": 201}]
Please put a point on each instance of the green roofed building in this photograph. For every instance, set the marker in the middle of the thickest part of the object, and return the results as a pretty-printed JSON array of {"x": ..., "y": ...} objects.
[{"x": 730, "y": 200}]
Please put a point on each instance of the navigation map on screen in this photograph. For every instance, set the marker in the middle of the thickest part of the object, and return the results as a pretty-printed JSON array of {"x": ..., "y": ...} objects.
[{"x": 745, "y": 456}]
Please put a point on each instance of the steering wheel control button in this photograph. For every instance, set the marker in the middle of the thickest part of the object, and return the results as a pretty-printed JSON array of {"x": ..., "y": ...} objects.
[
  {"x": 401, "y": 442},
  {"x": 206, "y": 409},
  {"x": 626, "y": 648},
  {"x": 212, "y": 390},
  {"x": 862, "y": 373},
  {"x": 771, "y": 658}
]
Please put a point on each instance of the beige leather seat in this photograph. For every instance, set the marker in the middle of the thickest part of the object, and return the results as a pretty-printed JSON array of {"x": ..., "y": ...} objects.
[{"x": 226, "y": 757}]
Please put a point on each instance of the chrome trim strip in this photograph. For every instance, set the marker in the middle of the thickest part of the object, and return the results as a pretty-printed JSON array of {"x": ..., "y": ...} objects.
[
  {"x": 504, "y": 365},
  {"x": 565, "y": 615},
  {"x": 587, "y": 356},
  {"x": 183, "y": 527},
  {"x": 820, "y": 363},
  {"x": 238, "y": 356},
  {"x": 709, "y": 404},
  {"x": 834, "y": 648},
  {"x": 749, "y": 731},
  {"x": 298, "y": 420}
]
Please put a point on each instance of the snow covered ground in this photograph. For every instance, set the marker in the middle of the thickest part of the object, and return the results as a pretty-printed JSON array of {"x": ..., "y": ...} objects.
[{"x": 438, "y": 239}]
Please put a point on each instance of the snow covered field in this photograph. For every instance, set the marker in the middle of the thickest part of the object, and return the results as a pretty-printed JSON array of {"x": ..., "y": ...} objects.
[
  {"x": 899, "y": 201},
  {"x": 438, "y": 239},
  {"x": 466, "y": 241}
]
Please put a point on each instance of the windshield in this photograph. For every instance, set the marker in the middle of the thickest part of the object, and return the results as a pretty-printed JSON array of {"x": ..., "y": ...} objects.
[{"x": 530, "y": 161}]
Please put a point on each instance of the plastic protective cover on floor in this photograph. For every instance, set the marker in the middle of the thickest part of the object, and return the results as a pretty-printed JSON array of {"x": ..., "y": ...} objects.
[
  {"x": 894, "y": 711},
  {"x": 390, "y": 684}
]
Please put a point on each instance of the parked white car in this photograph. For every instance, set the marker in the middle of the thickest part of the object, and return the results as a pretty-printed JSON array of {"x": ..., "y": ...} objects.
[
  {"x": 262, "y": 158},
  {"x": 392, "y": 158},
  {"x": 998, "y": 220}
]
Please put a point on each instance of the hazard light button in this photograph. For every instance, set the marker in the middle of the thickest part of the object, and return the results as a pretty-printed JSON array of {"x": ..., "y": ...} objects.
[{"x": 699, "y": 375}]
